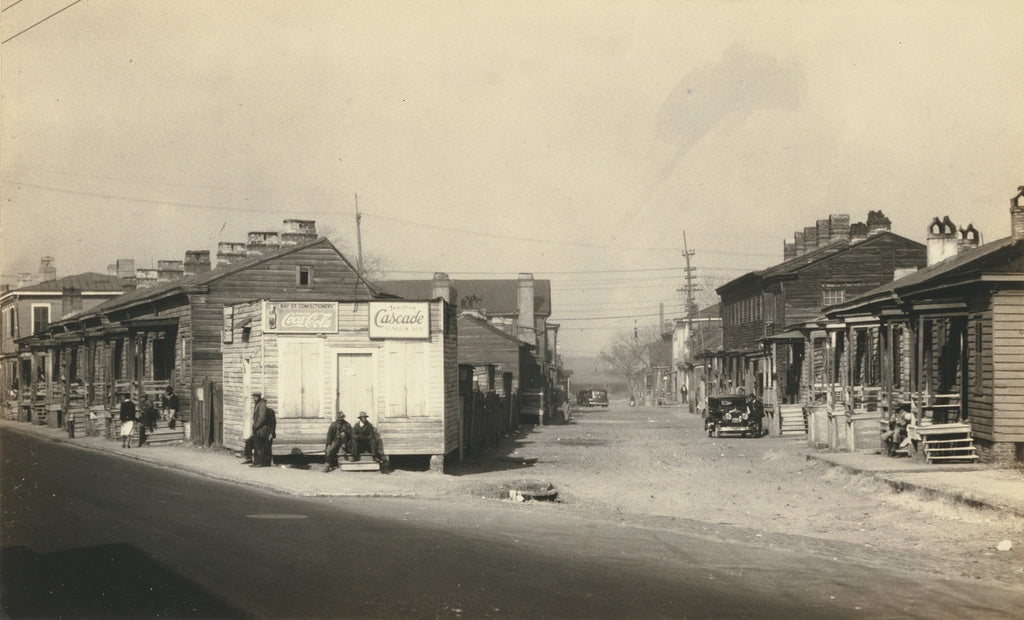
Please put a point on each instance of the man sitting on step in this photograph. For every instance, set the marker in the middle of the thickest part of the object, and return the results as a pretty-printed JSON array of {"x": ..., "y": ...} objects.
[
  {"x": 366, "y": 439},
  {"x": 339, "y": 437}
]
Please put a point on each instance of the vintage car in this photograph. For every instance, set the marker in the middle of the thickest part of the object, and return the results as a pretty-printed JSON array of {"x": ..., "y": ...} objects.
[
  {"x": 734, "y": 414},
  {"x": 592, "y": 398}
]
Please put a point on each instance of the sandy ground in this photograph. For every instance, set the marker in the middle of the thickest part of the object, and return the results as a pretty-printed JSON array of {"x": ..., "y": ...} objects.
[{"x": 655, "y": 466}]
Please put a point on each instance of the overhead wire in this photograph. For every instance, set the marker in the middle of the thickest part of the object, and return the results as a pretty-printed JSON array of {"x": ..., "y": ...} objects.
[{"x": 38, "y": 22}]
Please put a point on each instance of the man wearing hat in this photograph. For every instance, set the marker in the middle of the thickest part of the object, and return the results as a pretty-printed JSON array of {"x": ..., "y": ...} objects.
[
  {"x": 365, "y": 438},
  {"x": 339, "y": 435},
  {"x": 258, "y": 443}
]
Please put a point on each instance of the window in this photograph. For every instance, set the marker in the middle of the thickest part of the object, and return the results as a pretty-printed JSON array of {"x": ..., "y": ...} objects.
[
  {"x": 299, "y": 385},
  {"x": 305, "y": 275},
  {"x": 831, "y": 296},
  {"x": 408, "y": 379},
  {"x": 40, "y": 318}
]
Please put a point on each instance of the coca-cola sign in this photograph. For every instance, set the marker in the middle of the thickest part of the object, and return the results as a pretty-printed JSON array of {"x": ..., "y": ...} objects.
[
  {"x": 301, "y": 317},
  {"x": 400, "y": 319}
]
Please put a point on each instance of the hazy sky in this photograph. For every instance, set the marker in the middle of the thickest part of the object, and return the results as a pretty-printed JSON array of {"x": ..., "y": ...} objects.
[{"x": 573, "y": 140}]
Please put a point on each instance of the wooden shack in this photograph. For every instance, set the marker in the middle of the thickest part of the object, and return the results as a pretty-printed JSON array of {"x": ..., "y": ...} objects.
[{"x": 395, "y": 360}]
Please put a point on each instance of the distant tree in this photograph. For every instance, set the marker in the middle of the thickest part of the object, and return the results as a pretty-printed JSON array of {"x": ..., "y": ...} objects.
[
  {"x": 373, "y": 266},
  {"x": 630, "y": 356}
]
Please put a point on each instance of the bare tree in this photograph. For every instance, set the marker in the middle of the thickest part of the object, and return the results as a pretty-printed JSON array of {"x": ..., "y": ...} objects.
[
  {"x": 371, "y": 268},
  {"x": 630, "y": 356}
]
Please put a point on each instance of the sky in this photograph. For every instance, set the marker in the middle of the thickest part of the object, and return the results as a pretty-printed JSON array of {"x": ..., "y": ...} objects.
[{"x": 587, "y": 143}]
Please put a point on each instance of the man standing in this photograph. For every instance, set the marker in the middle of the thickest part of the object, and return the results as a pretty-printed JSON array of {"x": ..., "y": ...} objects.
[
  {"x": 339, "y": 434},
  {"x": 127, "y": 415},
  {"x": 365, "y": 438},
  {"x": 263, "y": 424}
]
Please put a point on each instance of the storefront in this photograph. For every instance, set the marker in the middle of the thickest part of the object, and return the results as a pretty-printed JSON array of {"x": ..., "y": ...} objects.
[{"x": 395, "y": 360}]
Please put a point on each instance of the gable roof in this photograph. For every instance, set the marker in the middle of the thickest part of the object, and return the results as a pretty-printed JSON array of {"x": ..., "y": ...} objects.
[
  {"x": 816, "y": 256},
  {"x": 1004, "y": 256},
  {"x": 485, "y": 325},
  {"x": 497, "y": 297},
  {"x": 198, "y": 282},
  {"x": 88, "y": 282}
]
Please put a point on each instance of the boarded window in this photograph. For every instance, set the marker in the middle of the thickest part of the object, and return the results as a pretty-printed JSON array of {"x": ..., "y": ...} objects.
[
  {"x": 407, "y": 379},
  {"x": 299, "y": 380}
]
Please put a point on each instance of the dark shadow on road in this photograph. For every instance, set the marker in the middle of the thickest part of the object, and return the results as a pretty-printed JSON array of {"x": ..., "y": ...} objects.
[
  {"x": 106, "y": 581},
  {"x": 501, "y": 457}
]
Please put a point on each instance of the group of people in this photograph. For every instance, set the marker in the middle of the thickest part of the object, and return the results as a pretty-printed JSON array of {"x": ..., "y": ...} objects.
[
  {"x": 146, "y": 415},
  {"x": 352, "y": 440},
  {"x": 342, "y": 437}
]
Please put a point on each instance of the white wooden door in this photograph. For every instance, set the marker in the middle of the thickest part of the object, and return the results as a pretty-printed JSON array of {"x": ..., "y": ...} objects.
[
  {"x": 355, "y": 386},
  {"x": 298, "y": 378}
]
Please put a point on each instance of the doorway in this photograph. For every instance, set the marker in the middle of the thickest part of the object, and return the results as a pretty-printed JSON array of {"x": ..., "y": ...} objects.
[{"x": 355, "y": 390}]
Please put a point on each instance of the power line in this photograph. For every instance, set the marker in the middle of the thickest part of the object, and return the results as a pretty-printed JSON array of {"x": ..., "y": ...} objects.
[
  {"x": 10, "y": 5},
  {"x": 561, "y": 242},
  {"x": 38, "y": 22}
]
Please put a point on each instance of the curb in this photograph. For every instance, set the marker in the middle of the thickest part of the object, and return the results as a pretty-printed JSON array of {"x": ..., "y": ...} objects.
[{"x": 928, "y": 492}]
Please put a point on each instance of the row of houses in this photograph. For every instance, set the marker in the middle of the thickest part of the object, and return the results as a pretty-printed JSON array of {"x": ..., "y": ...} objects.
[
  {"x": 858, "y": 322},
  {"x": 296, "y": 321}
]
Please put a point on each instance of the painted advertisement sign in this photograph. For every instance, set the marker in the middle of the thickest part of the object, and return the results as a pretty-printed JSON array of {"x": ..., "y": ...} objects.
[
  {"x": 400, "y": 319},
  {"x": 300, "y": 317}
]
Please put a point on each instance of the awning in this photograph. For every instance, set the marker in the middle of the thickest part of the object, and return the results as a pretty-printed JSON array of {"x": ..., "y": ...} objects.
[{"x": 790, "y": 336}]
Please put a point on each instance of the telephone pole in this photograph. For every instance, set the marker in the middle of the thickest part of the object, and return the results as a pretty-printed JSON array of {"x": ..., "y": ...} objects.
[
  {"x": 689, "y": 288},
  {"x": 359, "y": 236}
]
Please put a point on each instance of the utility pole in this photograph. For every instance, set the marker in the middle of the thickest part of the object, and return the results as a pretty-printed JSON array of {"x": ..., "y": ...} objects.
[
  {"x": 690, "y": 288},
  {"x": 691, "y": 308},
  {"x": 359, "y": 236}
]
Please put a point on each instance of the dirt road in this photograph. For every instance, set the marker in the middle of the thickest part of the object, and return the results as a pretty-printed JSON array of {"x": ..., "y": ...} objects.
[{"x": 655, "y": 465}]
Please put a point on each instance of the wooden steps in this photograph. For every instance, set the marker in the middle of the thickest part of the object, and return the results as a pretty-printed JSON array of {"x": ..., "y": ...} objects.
[
  {"x": 793, "y": 420},
  {"x": 947, "y": 443}
]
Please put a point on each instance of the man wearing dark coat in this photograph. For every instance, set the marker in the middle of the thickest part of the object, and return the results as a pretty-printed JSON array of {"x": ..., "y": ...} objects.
[
  {"x": 263, "y": 427},
  {"x": 365, "y": 438},
  {"x": 339, "y": 435},
  {"x": 127, "y": 414}
]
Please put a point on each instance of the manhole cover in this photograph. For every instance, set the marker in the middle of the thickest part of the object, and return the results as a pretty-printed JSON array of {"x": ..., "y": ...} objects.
[{"x": 538, "y": 491}]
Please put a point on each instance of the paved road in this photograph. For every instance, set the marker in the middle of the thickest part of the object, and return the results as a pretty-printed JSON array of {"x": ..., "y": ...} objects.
[{"x": 94, "y": 535}]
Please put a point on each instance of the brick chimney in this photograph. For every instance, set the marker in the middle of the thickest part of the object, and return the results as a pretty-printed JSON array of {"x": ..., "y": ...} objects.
[
  {"x": 47, "y": 270},
  {"x": 441, "y": 286},
  {"x": 71, "y": 300},
  {"x": 261, "y": 242},
  {"x": 969, "y": 238},
  {"x": 297, "y": 232},
  {"x": 788, "y": 250},
  {"x": 810, "y": 238},
  {"x": 1017, "y": 215},
  {"x": 525, "y": 317},
  {"x": 942, "y": 240},
  {"x": 230, "y": 252},
  {"x": 839, "y": 226},
  {"x": 196, "y": 262},
  {"x": 168, "y": 270}
]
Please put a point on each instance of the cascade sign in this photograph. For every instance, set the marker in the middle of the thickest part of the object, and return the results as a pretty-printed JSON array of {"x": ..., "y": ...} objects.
[
  {"x": 400, "y": 319},
  {"x": 301, "y": 317}
]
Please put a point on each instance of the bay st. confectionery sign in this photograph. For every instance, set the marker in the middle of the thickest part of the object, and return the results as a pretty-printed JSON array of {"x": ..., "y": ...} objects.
[
  {"x": 400, "y": 319},
  {"x": 301, "y": 317}
]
